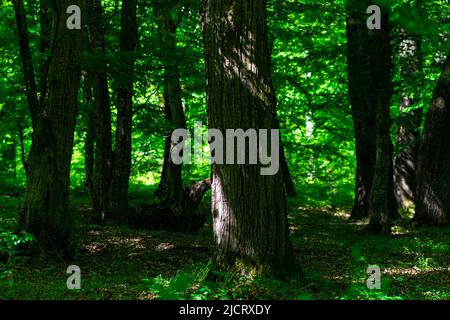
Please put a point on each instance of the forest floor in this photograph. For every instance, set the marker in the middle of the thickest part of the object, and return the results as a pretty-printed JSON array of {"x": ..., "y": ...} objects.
[{"x": 118, "y": 262}]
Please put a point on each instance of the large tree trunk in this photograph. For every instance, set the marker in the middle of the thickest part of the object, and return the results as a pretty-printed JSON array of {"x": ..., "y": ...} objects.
[
  {"x": 171, "y": 184},
  {"x": 103, "y": 139},
  {"x": 122, "y": 154},
  {"x": 45, "y": 211},
  {"x": 370, "y": 88},
  {"x": 433, "y": 171},
  {"x": 249, "y": 209},
  {"x": 408, "y": 135}
]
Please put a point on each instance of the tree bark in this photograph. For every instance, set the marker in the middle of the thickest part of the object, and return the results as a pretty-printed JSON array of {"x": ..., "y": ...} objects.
[
  {"x": 27, "y": 60},
  {"x": 362, "y": 113},
  {"x": 433, "y": 172},
  {"x": 408, "y": 136},
  {"x": 45, "y": 211},
  {"x": 89, "y": 144},
  {"x": 171, "y": 184},
  {"x": 122, "y": 154},
  {"x": 103, "y": 138},
  {"x": 370, "y": 88},
  {"x": 382, "y": 204},
  {"x": 249, "y": 209},
  {"x": 287, "y": 178},
  {"x": 44, "y": 47}
]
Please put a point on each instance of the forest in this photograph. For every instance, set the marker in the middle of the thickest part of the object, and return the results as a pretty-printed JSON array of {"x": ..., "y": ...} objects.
[{"x": 224, "y": 150}]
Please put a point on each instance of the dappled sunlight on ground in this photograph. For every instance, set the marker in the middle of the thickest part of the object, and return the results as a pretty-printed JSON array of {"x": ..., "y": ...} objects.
[{"x": 118, "y": 262}]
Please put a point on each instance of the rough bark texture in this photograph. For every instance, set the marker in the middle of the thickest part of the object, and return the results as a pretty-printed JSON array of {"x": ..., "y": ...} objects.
[
  {"x": 408, "y": 136},
  {"x": 171, "y": 185},
  {"x": 45, "y": 211},
  {"x": 103, "y": 139},
  {"x": 249, "y": 209},
  {"x": 122, "y": 154},
  {"x": 433, "y": 172},
  {"x": 370, "y": 88}
]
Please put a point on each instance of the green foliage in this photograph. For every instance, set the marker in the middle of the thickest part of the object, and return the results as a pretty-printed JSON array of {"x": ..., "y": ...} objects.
[
  {"x": 309, "y": 66},
  {"x": 13, "y": 248},
  {"x": 176, "y": 287}
]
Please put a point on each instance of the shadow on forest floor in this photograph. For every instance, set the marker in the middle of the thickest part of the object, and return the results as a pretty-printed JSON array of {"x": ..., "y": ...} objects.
[{"x": 118, "y": 262}]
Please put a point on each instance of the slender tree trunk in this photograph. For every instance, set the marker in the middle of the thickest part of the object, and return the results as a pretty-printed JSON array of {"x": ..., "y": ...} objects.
[
  {"x": 171, "y": 183},
  {"x": 45, "y": 211},
  {"x": 103, "y": 145},
  {"x": 433, "y": 172},
  {"x": 44, "y": 47},
  {"x": 408, "y": 136},
  {"x": 161, "y": 191},
  {"x": 89, "y": 144},
  {"x": 287, "y": 178},
  {"x": 27, "y": 61},
  {"x": 122, "y": 159},
  {"x": 249, "y": 209},
  {"x": 21, "y": 135},
  {"x": 363, "y": 114},
  {"x": 382, "y": 199}
]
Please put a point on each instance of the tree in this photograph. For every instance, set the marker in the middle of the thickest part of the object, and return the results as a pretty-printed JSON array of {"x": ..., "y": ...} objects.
[
  {"x": 89, "y": 143},
  {"x": 408, "y": 135},
  {"x": 382, "y": 204},
  {"x": 45, "y": 212},
  {"x": 433, "y": 170},
  {"x": 122, "y": 155},
  {"x": 370, "y": 89},
  {"x": 103, "y": 141},
  {"x": 362, "y": 113},
  {"x": 171, "y": 185},
  {"x": 27, "y": 60},
  {"x": 249, "y": 210}
]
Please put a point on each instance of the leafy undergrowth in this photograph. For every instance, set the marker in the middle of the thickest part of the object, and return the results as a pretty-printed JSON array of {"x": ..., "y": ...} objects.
[{"x": 117, "y": 262}]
